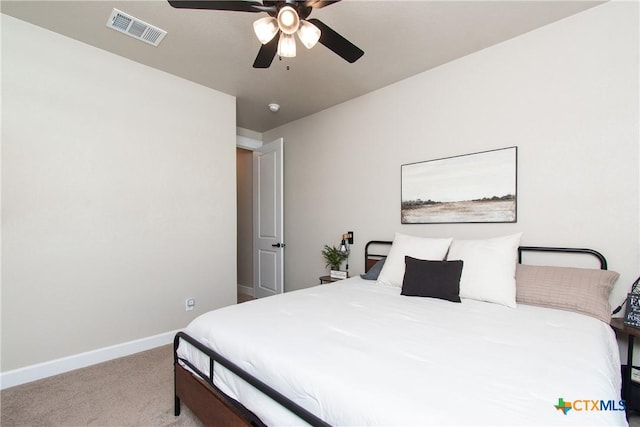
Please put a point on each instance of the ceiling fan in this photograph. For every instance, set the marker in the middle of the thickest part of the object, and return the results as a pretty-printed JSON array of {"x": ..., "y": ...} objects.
[{"x": 277, "y": 31}]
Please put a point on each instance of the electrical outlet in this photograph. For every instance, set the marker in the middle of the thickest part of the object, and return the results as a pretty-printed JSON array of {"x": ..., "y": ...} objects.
[{"x": 189, "y": 304}]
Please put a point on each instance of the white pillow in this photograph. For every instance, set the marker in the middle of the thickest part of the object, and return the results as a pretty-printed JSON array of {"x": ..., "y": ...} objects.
[
  {"x": 489, "y": 268},
  {"x": 417, "y": 247}
]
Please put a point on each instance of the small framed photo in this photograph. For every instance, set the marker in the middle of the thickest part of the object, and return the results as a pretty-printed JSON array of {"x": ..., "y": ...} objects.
[{"x": 338, "y": 274}]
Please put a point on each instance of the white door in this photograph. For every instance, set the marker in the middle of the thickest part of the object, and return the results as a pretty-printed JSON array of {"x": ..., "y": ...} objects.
[{"x": 268, "y": 229}]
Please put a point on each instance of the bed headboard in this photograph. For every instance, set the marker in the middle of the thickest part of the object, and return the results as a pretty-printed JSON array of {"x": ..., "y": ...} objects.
[
  {"x": 375, "y": 250},
  {"x": 370, "y": 258}
]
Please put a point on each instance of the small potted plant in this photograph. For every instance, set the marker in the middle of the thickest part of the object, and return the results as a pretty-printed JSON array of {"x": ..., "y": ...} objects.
[{"x": 334, "y": 259}]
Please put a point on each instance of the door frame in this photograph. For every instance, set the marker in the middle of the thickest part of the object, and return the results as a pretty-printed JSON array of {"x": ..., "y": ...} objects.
[{"x": 252, "y": 145}]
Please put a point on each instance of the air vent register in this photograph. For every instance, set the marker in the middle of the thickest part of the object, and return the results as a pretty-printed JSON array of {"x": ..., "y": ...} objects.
[{"x": 136, "y": 28}]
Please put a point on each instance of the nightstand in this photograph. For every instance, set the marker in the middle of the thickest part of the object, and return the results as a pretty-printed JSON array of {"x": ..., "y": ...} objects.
[
  {"x": 328, "y": 279},
  {"x": 630, "y": 389}
]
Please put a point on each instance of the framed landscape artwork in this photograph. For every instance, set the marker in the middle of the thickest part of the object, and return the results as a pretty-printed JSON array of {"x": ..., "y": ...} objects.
[{"x": 478, "y": 187}]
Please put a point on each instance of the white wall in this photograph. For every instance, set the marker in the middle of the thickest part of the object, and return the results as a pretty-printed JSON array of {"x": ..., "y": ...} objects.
[
  {"x": 118, "y": 190},
  {"x": 565, "y": 94}
]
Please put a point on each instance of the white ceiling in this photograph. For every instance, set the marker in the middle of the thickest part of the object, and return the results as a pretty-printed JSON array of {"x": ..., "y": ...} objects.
[{"x": 217, "y": 48}]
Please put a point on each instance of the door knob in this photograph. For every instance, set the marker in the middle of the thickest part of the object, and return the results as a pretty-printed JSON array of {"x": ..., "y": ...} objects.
[{"x": 278, "y": 245}]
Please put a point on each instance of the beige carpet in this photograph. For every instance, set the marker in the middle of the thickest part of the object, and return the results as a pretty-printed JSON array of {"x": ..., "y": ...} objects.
[{"x": 135, "y": 390}]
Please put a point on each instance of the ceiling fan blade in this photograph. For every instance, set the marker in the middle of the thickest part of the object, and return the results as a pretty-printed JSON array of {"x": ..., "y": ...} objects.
[
  {"x": 266, "y": 53},
  {"x": 317, "y": 4},
  {"x": 237, "y": 6},
  {"x": 334, "y": 41}
]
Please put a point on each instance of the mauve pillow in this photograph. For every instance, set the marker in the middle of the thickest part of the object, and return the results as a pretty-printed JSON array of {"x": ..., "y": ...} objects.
[{"x": 582, "y": 290}]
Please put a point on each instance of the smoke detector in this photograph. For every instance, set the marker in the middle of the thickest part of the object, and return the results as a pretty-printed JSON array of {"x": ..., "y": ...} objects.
[
  {"x": 135, "y": 27},
  {"x": 274, "y": 107}
]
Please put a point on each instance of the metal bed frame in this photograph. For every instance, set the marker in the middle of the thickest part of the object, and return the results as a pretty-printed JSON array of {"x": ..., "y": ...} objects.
[
  {"x": 372, "y": 258},
  {"x": 198, "y": 391},
  {"x": 235, "y": 405}
]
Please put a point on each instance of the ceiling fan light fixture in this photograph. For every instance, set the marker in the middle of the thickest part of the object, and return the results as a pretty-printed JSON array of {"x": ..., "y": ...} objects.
[
  {"x": 266, "y": 29},
  {"x": 287, "y": 46},
  {"x": 288, "y": 20},
  {"x": 309, "y": 34}
]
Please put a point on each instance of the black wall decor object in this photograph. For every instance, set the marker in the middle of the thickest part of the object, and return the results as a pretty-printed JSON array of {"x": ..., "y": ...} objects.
[{"x": 632, "y": 310}]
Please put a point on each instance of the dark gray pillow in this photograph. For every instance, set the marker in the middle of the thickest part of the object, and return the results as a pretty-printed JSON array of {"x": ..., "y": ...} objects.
[
  {"x": 434, "y": 279},
  {"x": 374, "y": 271}
]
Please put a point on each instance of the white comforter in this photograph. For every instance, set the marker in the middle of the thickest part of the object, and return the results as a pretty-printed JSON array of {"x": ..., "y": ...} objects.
[{"x": 357, "y": 353}]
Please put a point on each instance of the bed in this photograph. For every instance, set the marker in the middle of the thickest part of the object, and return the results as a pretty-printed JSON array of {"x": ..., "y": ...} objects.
[{"x": 358, "y": 352}]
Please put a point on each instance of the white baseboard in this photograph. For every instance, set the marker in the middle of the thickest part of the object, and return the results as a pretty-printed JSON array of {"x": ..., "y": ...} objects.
[
  {"x": 77, "y": 361},
  {"x": 247, "y": 290}
]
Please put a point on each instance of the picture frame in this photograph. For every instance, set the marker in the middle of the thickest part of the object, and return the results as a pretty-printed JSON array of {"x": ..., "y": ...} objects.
[
  {"x": 338, "y": 274},
  {"x": 632, "y": 310},
  {"x": 471, "y": 188}
]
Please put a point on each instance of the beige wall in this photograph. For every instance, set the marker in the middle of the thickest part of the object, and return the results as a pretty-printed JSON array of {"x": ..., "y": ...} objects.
[
  {"x": 245, "y": 217},
  {"x": 566, "y": 95},
  {"x": 117, "y": 189}
]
